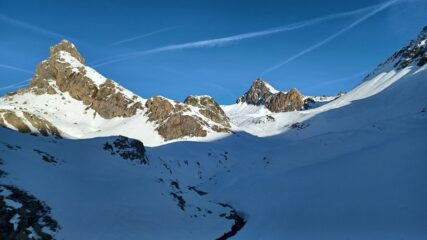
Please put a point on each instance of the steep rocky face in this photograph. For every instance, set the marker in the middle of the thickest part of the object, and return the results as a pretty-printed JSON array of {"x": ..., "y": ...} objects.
[
  {"x": 285, "y": 102},
  {"x": 262, "y": 93},
  {"x": 64, "y": 80},
  {"x": 178, "y": 126},
  {"x": 257, "y": 94},
  {"x": 160, "y": 108},
  {"x": 415, "y": 52},
  {"x": 65, "y": 71},
  {"x": 176, "y": 120},
  {"x": 209, "y": 108},
  {"x": 26, "y": 122}
]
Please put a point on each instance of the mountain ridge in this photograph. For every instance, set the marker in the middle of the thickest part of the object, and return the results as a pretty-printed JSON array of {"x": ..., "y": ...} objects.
[
  {"x": 353, "y": 168},
  {"x": 63, "y": 79}
]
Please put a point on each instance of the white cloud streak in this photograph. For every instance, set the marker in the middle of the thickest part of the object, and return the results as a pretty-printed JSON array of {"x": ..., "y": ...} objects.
[
  {"x": 32, "y": 27},
  {"x": 15, "y": 68},
  {"x": 235, "y": 38},
  {"x": 142, "y": 36},
  {"x": 16, "y": 85},
  {"x": 378, "y": 9}
]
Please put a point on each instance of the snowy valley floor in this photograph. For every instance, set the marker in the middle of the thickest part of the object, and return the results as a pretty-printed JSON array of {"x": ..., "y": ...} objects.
[{"x": 356, "y": 172}]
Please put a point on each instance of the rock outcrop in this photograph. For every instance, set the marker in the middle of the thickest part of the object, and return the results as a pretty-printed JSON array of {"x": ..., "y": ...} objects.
[
  {"x": 285, "y": 102},
  {"x": 415, "y": 53},
  {"x": 26, "y": 122},
  {"x": 63, "y": 78},
  {"x": 257, "y": 94},
  {"x": 23, "y": 216},
  {"x": 262, "y": 93},
  {"x": 209, "y": 108},
  {"x": 128, "y": 149},
  {"x": 65, "y": 71},
  {"x": 176, "y": 120}
]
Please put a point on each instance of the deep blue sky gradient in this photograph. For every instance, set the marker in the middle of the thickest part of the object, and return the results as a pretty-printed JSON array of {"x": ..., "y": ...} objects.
[{"x": 223, "y": 72}]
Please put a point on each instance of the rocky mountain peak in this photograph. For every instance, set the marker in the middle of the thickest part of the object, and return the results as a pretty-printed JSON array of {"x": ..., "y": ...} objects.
[
  {"x": 262, "y": 93},
  {"x": 66, "y": 46},
  {"x": 258, "y": 93},
  {"x": 64, "y": 72}
]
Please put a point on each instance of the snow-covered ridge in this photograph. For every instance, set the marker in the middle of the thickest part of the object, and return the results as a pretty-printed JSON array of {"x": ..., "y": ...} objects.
[
  {"x": 271, "y": 88},
  {"x": 82, "y": 103},
  {"x": 98, "y": 79},
  {"x": 415, "y": 53},
  {"x": 352, "y": 169}
]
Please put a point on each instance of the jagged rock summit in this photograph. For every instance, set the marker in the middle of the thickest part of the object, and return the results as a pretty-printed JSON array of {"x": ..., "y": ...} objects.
[
  {"x": 258, "y": 93},
  {"x": 262, "y": 93},
  {"x": 64, "y": 71},
  {"x": 193, "y": 118},
  {"x": 66, "y": 97}
]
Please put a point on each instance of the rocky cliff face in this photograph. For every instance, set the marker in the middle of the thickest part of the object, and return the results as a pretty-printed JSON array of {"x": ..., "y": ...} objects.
[
  {"x": 209, "y": 108},
  {"x": 65, "y": 71},
  {"x": 26, "y": 122},
  {"x": 262, "y": 93},
  {"x": 64, "y": 79},
  {"x": 177, "y": 120},
  {"x": 257, "y": 94},
  {"x": 285, "y": 102}
]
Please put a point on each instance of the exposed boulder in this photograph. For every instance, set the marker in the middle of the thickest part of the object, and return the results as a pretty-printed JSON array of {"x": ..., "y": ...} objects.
[
  {"x": 309, "y": 102},
  {"x": 65, "y": 71},
  {"x": 285, "y": 102},
  {"x": 128, "y": 149}
]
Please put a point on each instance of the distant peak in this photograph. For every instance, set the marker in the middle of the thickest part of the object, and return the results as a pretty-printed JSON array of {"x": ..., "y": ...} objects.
[
  {"x": 68, "y": 47},
  {"x": 260, "y": 83},
  {"x": 259, "y": 91}
]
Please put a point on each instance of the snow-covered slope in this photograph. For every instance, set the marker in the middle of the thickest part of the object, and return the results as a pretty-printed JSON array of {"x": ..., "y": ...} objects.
[
  {"x": 105, "y": 189},
  {"x": 405, "y": 65},
  {"x": 351, "y": 169},
  {"x": 359, "y": 176},
  {"x": 82, "y": 103},
  {"x": 260, "y": 122}
]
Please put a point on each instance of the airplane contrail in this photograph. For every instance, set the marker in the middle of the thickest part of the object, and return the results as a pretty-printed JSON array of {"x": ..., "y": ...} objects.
[
  {"x": 16, "y": 85},
  {"x": 32, "y": 27},
  {"x": 378, "y": 9},
  {"x": 226, "y": 40},
  {"x": 15, "y": 68},
  {"x": 142, "y": 36}
]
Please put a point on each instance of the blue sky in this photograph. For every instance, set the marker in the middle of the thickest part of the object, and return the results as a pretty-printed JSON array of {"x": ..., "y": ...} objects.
[{"x": 154, "y": 47}]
